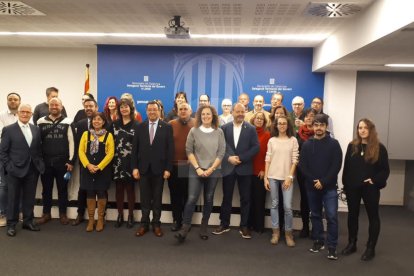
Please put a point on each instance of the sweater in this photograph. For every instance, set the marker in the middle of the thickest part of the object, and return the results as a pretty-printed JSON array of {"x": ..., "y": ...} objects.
[
  {"x": 180, "y": 133},
  {"x": 259, "y": 160},
  {"x": 206, "y": 147},
  {"x": 281, "y": 154},
  {"x": 356, "y": 169},
  {"x": 42, "y": 110},
  {"x": 321, "y": 159}
]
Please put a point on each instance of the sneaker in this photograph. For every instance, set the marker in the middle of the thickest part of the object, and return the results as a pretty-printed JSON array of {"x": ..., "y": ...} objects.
[
  {"x": 332, "y": 255},
  {"x": 317, "y": 246},
  {"x": 3, "y": 220},
  {"x": 220, "y": 230},
  {"x": 245, "y": 233}
]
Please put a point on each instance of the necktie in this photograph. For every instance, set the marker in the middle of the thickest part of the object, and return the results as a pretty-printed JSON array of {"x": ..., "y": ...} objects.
[
  {"x": 27, "y": 134},
  {"x": 152, "y": 133}
]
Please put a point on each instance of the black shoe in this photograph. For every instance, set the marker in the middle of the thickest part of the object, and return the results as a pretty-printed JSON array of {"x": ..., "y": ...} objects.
[
  {"x": 176, "y": 226},
  {"x": 350, "y": 248},
  {"x": 332, "y": 255},
  {"x": 79, "y": 219},
  {"x": 317, "y": 247},
  {"x": 369, "y": 254},
  {"x": 130, "y": 222},
  {"x": 180, "y": 237},
  {"x": 31, "y": 227},
  {"x": 11, "y": 231},
  {"x": 119, "y": 221}
]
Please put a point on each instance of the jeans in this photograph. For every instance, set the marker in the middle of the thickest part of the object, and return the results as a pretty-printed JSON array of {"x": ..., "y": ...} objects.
[
  {"x": 3, "y": 194},
  {"x": 287, "y": 204},
  {"x": 195, "y": 184},
  {"x": 52, "y": 172},
  {"x": 327, "y": 199},
  {"x": 370, "y": 194}
]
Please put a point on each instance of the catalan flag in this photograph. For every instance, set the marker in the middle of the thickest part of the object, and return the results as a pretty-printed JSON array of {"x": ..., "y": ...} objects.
[{"x": 86, "y": 90}]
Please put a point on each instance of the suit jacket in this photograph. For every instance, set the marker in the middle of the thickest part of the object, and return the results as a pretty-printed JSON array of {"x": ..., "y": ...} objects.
[
  {"x": 247, "y": 147},
  {"x": 15, "y": 153},
  {"x": 156, "y": 157}
]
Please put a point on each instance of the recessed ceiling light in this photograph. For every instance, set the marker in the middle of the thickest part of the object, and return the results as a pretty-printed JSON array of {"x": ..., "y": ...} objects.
[{"x": 399, "y": 65}]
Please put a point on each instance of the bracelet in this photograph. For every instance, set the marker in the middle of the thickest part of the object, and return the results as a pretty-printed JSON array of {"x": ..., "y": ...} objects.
[
  {"x": 196, "y": 168},
  {"x": 291, "y": 177}
]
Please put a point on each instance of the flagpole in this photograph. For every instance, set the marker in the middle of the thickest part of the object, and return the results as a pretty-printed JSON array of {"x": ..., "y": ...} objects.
[{"x": 86, "y": 89}]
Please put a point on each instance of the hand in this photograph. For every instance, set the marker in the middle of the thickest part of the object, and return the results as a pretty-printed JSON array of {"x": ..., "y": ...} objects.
[
  {"x": 261, "y": 175},
  {"x": 368, "y": 181},
  {"x": 200, "y": 172},
  {"x": 234, "y": 160},
  {"x": 317, "y": 184},
  {"x": 91, "y": 168},
  {"x": 208, "y": 172},
  {"x": 267, "y": 184},
  {"x": 69, "y": 167},
  {"x": 166, "y": 175},
  {"x": 298, "y": 122},
  {"x": 286, "y": 184},
  {"x": 135, "y": 174}
]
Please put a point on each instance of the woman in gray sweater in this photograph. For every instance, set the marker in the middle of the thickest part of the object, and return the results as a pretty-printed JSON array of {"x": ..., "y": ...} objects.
[{"x": 205, "y": 149}]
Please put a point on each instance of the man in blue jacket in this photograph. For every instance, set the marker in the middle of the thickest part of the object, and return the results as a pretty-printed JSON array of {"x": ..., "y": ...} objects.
[{"x": 320, "y": 162}]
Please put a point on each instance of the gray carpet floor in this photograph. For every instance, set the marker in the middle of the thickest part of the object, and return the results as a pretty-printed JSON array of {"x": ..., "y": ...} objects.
[{"x": 67, "y": 250}]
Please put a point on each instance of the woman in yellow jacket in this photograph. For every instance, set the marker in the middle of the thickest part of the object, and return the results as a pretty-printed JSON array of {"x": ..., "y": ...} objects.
[{"x": 96, "y": 151}]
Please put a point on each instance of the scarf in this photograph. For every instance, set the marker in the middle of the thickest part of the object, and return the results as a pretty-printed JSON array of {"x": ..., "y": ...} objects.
[{"x": 95, "y": 143}]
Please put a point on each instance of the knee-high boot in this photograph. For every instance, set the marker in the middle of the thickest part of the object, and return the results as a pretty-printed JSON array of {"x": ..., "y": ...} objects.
[
  {"x": 91, "y": 204},
  {"x": 101, "y": 214}
]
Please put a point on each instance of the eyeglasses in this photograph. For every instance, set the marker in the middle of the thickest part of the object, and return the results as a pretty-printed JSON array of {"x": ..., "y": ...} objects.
[
  {"x": 297, "y": 104},
  {"x": 318, "y": 124},
  {"x": 316, "y": 103},
  {"x": 259, "y": 118}
]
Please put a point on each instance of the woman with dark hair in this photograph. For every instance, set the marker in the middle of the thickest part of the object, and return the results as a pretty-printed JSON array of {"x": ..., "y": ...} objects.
[
  {"x": 96, "y": 150},
  {"x": 137, "y": 115},
  {"x": 124, "y": 130},
  {"x": 180, "y": 97},
  {"x": 281, "y": 161},
  {"x": 258, "y": 192},
  {"x": 111, "y": 109},
  {"x": 365, "y": 172},
  {"x": 278, "y": 111},
  {"x": 205, "y": 149},
  {"x": 304, "y": 133}
]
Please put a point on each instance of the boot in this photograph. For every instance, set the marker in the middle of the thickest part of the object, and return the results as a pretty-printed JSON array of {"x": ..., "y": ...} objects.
[
  {"x": 91, "y": 204},
  {"x": 119, "y": 220},
  {"x": 203, "y": 230},
  {"x": 275, "y": 236},
  {"x": 369, "y": 253},
  {"x": 289, "y": 238},
  {"x": 350, "y": 248},
  {"x": 101, "y": 214},
  {"x": 130, "y": 222},
  {"x": 182, "y": 234}
]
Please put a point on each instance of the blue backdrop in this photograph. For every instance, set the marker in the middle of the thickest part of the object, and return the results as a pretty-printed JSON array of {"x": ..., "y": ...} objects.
[{"x": 149, "y": 72}]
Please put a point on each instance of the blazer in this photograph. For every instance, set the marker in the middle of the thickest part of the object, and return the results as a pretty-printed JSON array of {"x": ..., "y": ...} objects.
[
  {"x": 155, "y": 158},
  {"x": 247, "y": 147},
  {"x": 16, "y": 155}
]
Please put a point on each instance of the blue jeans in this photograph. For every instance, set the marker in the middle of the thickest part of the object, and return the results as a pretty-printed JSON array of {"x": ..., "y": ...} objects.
[
  {"x": 3, "y": 194},
  {"x": 287, "y": 204},
  {"x": 327, "y": 199},
  {"x": 195, "y": 184}
]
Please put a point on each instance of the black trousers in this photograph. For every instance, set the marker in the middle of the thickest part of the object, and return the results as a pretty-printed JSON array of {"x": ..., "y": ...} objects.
[
  {"x": 151, "y": 187},
  {"x": 52, "y": 172},
  {"x": 257, "y": 204},
  {"x": 21, "y": 188},
  {"x": 370, "y": 196},
  {"x": 178, "y": 185},
  {"x": 304, "y": 204}
]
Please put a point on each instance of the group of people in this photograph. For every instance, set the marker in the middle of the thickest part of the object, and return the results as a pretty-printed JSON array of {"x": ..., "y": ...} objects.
[{"x": 257, "y": 149}]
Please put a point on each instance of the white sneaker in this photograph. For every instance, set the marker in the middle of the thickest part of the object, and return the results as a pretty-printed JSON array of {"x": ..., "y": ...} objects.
[{"x": 3, "y": 220}]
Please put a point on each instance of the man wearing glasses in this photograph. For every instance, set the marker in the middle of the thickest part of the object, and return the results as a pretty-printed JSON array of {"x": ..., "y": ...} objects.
[{"x": 297, "y": 116}]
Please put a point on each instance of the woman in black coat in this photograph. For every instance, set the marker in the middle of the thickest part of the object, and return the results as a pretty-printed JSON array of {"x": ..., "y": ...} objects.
[{"x": 365, "y": 173}]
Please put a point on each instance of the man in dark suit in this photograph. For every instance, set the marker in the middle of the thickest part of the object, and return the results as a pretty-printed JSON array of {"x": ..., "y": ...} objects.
[
  {"x": 90, "y": 106},
  {"x": 152, "y": 154},
  {"x": 21, "y": 156},
  {"x": 242, "y": 145}
]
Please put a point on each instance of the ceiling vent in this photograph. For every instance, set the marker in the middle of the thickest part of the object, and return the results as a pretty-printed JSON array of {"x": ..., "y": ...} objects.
[
  {"x": 17, "y": 8},
  {"x": 332, "y": 9}
]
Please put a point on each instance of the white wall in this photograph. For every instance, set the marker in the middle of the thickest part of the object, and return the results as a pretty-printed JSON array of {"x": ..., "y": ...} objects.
[{"x": 29, "y": 71}]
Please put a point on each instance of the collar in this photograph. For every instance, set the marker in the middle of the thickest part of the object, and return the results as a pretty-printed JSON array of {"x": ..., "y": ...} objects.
[{"x": 21, "y": 124}]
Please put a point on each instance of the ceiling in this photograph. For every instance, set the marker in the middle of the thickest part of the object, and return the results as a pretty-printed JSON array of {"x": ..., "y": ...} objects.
[{"x": 203, "y": 17}]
